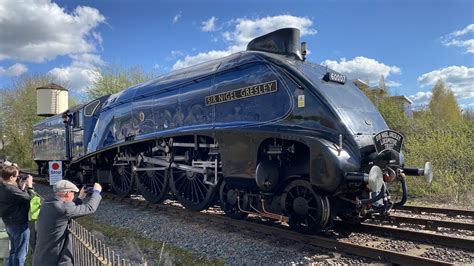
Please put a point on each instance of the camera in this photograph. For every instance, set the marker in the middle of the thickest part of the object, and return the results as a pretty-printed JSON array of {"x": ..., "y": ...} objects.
[{"x": 23, "y": 177}]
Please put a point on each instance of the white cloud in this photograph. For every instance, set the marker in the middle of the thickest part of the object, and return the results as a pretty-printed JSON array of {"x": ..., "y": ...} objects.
[
  {"x": 421, "y": 98},
  {"x": 244, "y": 31},
  {"x": 176, "y": 53},
  {"x": 364, "y": 68},
  {"x": 176, "y": 18},
  {"x": 393, "y": 84},
  {"x": 467, "y": 29},
  {"x": 226, "y": 36},
  {"x": 459, "y": 78},
  {"x": 247, "y": 29},
  {"x": 39, "y": 30},
  {"x": 98, "y": 37},
  {"x": 82, "y": 72},
  {"x": 453, "y": 39},
  {"x": 467, "y": 105},
  {"x": 14, "y": 70},
  {"x": 209, "y": 25},
  {"x": 199, "y": 58},
  {"x": 467, "y": 44}
]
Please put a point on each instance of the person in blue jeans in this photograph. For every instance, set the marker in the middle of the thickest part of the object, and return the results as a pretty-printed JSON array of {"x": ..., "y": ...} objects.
[
  {"x": 14, "y": 206},
  {"x": 19, "y": 239}
]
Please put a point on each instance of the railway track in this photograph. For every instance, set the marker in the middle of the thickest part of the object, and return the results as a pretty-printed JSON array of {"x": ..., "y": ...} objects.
[
  {"x": 446, "y": 211},
  {"x": 392, "y": 232},
  {"x": 429, "y": 224},
  {"x": 332, "y": 242}
]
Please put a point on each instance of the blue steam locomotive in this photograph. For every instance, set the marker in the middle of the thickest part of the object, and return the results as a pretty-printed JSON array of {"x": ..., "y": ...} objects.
[{"x": 261, "y": 131}]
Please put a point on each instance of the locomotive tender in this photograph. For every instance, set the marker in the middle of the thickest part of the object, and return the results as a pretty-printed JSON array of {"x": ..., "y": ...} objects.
[{"x": 261, "y": 131}]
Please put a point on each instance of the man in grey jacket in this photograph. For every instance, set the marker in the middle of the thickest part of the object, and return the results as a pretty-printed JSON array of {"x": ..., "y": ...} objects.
[{"x": 53, "y": 244}]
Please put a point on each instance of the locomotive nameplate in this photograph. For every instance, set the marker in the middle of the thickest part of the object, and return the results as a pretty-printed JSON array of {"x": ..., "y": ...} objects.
[
  {"x": 388, "y": 140},
  {"x": 241, "y": 93}
]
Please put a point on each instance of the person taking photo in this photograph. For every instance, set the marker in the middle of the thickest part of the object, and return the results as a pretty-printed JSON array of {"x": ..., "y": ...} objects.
[
  {"x": 53, "y": 243},
  {"x": 15, "y": 199}
]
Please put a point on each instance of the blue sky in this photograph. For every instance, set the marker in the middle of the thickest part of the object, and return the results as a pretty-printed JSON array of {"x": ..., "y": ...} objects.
[{"x": 411, "y": 43}]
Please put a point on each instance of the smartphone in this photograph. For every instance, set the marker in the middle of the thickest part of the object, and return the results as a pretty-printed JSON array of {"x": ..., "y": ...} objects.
[{"x": 89, "y": 189}]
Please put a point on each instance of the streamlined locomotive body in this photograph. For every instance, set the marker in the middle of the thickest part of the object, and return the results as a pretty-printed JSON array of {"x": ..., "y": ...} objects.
[{"x": 260, "y": 131}]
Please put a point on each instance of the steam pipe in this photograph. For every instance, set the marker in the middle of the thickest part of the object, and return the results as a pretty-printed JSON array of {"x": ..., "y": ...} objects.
[
  {"x": 263, "y": 214},
  {"x": 357, "y": 177},
  {"x": 374, "y": 199},
  {"x": 404, "y": 190},
  {"x": 276, "y": 216}
]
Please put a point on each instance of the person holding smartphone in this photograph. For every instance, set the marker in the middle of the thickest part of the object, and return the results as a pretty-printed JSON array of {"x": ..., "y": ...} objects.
[{"x": 53, "y": 244}]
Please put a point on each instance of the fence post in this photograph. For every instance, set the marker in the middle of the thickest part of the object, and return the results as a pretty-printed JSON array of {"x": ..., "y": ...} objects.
[{"x": 88, "y": 250}]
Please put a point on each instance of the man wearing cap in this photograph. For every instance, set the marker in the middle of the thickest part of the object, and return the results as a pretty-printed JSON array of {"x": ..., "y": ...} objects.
[{"x": 53, "y": 244}]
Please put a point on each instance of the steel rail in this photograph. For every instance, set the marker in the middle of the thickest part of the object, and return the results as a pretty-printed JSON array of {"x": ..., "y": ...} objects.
[
  {"x": 431, "y": 238},
  {"x": 340, "y": 246},
  {"x": 449, "y": 212},
  {"x": 428, "y": 223}
]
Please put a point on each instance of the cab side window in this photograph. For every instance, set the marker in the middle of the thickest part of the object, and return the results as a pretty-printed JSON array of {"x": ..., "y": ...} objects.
[{"x": 78, "y": 119}]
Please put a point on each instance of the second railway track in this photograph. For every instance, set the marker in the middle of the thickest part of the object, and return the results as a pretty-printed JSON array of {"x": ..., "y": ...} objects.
[
  {"x": 446, "y": 211},
  {"x": 429, "y": 224}
]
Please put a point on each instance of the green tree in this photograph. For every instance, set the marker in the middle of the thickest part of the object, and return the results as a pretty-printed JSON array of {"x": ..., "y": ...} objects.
[
  {"x": 443, "y": 104},
  {"x": 18, "y": 105},
  {"x": 392, "y": 109},
  {"x": 393, "y": 112},
  {"x": 115, "y": 78},
  {"x": 2, "y": 131},
  {"x": 449, "y": 147},
  {"x": 382, "y": 86},
  {"x": 468, "y": 114}
]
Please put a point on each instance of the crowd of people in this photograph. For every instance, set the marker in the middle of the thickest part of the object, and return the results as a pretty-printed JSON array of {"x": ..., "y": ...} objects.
[{"x": 48, "y": 236}]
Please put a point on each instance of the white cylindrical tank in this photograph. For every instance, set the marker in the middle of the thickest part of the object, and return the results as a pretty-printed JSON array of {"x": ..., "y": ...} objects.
[{"x": 51, "y": 99}]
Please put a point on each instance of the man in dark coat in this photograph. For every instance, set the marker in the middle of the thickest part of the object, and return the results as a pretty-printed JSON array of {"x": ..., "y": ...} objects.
[
  {"x": 53, "y": 244},
  {"x": 14, "y": 207}
]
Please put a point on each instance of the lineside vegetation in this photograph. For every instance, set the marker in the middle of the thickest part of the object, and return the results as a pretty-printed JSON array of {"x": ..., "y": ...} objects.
[{"x": 438, "y": 133}]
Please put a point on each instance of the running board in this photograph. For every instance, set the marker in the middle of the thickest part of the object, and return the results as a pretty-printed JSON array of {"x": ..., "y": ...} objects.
[{"x": 136, "y": 169}]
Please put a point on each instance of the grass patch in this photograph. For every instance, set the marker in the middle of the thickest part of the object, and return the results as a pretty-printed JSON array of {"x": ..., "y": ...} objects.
[{"x": 132, "y": 245}]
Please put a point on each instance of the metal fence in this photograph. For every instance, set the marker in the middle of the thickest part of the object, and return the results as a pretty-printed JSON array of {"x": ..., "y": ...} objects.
[{"x": 90, "y": 251}]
